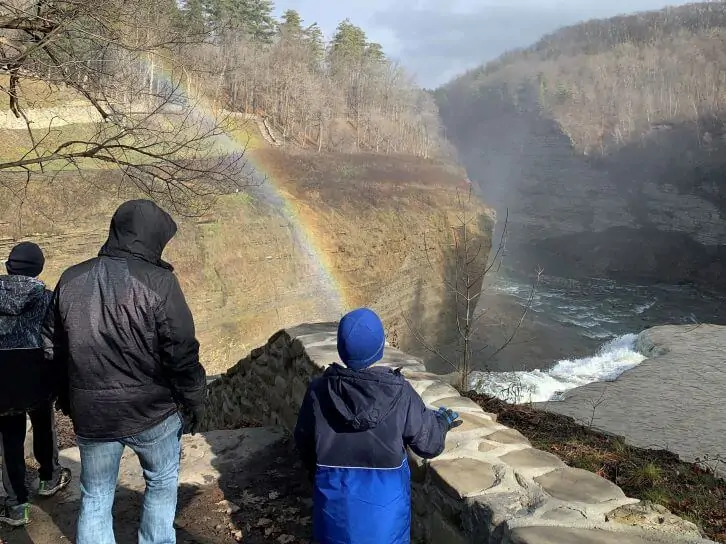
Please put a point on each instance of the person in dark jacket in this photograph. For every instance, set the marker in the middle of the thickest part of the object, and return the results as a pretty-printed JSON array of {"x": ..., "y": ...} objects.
[
  {"x": 352, "y": 432},
  {"x": 24, "y": 302},
  {"x": 123, "y": 330}
]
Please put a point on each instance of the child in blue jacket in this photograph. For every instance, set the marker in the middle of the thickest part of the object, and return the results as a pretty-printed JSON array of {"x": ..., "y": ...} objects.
[{"x": 354, "y": 425}]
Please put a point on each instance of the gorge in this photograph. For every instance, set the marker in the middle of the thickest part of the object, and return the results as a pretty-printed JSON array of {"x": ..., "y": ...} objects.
[
  {"x": 605, "y": 142},
  {"x": 321, "y": 233}
]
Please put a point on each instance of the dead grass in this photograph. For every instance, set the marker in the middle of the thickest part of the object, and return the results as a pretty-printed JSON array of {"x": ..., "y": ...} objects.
[
  {"x": 359, "y": 177},
  {"x": 244, "y": 132},
  {"x": 17, "y": 144},
  {"x": 38, "y": 94},
  {"x": 659, "y": 476}
]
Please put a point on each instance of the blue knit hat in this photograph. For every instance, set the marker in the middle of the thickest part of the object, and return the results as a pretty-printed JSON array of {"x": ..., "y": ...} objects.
[{"x": 360, "y": 339}]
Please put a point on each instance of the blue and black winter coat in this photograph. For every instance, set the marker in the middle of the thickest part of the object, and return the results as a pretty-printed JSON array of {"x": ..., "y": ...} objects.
[
  {"x": 23, "y": 304},
  {"x": 26, "y": 380},
  {"x": 352, "y": 432}
]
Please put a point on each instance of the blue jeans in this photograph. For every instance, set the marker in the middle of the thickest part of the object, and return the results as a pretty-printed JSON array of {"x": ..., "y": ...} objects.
[{"x": 159, "y": 452}]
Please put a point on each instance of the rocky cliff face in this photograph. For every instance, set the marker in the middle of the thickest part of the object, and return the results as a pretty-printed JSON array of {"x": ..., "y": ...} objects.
[
  {"x": 341, "y": 231},
  {"x": 654, "y": 211}
]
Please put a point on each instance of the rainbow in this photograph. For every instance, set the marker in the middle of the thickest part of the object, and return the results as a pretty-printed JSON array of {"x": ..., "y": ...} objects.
[
  {"x": 331, "y": 299},
  {"x": 306, "y": 237}
]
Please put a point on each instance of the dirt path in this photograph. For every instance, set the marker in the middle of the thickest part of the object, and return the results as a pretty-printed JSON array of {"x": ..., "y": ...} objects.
[{"x": 236, "y": 486}]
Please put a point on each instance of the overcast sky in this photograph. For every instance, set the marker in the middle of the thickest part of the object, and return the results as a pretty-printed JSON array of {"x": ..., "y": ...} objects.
[{"x": 437, "y": 40}]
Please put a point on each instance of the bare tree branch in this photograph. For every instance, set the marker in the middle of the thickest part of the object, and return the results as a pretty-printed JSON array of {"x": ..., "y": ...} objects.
[
  {"x": 431, "y": 348},
  {"x": 119, "y": 57},
  {"x": 526, "y": 309}
]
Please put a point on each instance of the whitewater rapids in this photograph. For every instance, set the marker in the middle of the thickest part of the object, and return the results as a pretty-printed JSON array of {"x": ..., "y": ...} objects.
[{"x": 612, "y": 360}]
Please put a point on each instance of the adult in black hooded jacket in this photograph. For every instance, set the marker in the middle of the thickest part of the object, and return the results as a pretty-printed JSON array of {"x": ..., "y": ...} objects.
[{"x": 122, "y": 328}]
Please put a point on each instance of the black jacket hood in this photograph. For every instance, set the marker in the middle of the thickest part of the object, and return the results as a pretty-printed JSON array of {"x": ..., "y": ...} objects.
[
  {"x": 18, "y": 294},
  {"x": 363, "y": 398},
  {"x": 142, "y": 229}
]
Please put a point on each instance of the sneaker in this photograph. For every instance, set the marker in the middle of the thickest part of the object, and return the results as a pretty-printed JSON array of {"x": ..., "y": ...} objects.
[
  {"x": 15, "y": 516},
  {"x": 49, "y": 488}
]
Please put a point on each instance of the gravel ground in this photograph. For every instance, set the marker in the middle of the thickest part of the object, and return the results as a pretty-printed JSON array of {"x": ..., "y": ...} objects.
[{"x": 269, "y": 501}]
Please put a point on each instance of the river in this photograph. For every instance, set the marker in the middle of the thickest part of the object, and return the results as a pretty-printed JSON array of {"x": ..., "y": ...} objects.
[{"x": 581, "y": 331}]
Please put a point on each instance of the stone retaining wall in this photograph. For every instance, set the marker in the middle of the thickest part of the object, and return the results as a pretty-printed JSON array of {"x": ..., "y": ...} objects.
[{"x": 489, "y": 486}]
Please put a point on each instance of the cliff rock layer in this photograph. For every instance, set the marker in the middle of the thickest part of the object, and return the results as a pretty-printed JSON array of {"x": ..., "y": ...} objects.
[{"x": 653, "y": 212}]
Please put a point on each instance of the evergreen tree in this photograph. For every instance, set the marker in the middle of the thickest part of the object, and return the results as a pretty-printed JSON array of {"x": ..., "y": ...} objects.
[
  {"x": 348, "y": 44},
  {"x": 252, "y": 18},
  {"x": 374, "y": 52},
  {"x": 316, "y": 43},
  {"x": 194, "y": 15},
  {"x": 291, "y": 25},
  {"x": 255, "y": 18}
]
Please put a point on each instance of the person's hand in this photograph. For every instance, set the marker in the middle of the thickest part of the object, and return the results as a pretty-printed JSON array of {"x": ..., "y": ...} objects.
[
  {"x": 449, "y": 417},
  {"x": 193, "y": 418}
]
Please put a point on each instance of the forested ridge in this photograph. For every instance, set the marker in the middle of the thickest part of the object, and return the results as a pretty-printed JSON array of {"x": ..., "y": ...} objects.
[
  {"x": 337, "y": 94},
  {"x": 131, "y": 83},
  {"x": 608, "y": 83},
  {"x": 340, "y": 95}
]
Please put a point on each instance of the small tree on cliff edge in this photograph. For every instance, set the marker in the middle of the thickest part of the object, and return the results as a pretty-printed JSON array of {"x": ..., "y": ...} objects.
[{"x": 463, "y": 277}]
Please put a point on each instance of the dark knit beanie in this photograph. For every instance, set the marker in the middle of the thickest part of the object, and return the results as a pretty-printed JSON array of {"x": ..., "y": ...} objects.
[
  {"x": 360, "y": 339},
  {"x": 25, "y": 259}
]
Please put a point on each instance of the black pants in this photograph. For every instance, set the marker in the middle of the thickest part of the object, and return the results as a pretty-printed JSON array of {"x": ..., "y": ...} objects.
[{"x": 45, "y": 450}]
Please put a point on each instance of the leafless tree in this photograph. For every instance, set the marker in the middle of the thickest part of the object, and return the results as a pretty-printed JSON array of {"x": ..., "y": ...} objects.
[
  {"x": 464, "y": 279},
  {"x": 121, "y": 58},
  {"x": 354, "y": 105},
  {"x": 595, "y": 404}
]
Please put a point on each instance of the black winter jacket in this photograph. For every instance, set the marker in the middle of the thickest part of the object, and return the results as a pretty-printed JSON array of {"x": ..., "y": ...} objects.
[{"x": 123, "y": 329}]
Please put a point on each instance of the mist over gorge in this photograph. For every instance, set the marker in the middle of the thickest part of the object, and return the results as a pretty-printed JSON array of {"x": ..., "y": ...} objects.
[{"x": 605, "y": 141}]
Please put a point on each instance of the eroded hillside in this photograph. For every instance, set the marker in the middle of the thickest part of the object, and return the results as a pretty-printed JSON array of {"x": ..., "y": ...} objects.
[{"x": 366, "y": 220}]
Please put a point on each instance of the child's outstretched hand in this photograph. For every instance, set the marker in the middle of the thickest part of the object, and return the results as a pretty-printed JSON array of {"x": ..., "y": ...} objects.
[{"x": 450, "y": 417}]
